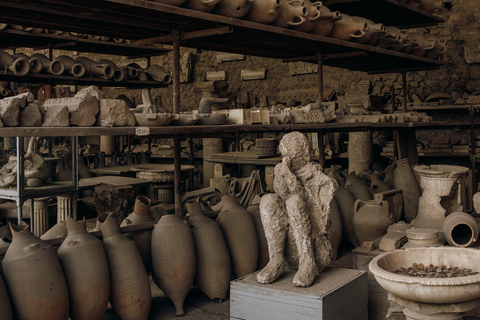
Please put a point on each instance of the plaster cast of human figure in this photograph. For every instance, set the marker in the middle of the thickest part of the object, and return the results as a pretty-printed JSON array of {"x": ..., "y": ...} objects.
[{"x": 295, "y": 217}]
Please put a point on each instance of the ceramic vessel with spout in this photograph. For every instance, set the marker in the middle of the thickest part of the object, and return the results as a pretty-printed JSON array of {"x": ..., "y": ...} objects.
[
  {"x": 324, "y": 25},
  {"x": 313, "y": 14},
  {"x": 232, "y": 8},
  {"x": 263, "y": 11},
  {"x": 292, "y": 13},
  {"x": 348, "y": 29},
  {"x": 202, "y": 5}
]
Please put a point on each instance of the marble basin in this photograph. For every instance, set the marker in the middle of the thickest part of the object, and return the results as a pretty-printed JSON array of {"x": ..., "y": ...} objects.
[
  {"x": 160, "y": 173},
  {"x": 429, "y": 290},
  {"x": 152, "y": 119}
]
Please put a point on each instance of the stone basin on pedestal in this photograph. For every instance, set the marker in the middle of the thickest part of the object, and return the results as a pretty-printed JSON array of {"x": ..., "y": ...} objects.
[{"x": 430, "y": 298}]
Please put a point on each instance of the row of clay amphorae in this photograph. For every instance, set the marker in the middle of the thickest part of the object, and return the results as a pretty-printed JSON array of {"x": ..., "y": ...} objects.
[{"x": 83, "y": 275}]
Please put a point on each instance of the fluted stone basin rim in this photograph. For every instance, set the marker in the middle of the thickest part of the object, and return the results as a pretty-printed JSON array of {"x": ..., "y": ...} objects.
[
  {"x": 160, "y": 173},
  {"x": 429, "y": 290},
  {"x": 441, "y": 170}
]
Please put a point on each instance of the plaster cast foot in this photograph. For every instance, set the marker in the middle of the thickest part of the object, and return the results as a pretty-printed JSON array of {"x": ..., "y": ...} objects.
[
  {"x": 306, "y": 274},
  {"x": 272, "y": 270}
]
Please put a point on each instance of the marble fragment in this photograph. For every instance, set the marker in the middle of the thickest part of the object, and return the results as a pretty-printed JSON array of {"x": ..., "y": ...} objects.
[
  {"x": 115, "y": 111},
  {"x": 31, "y": 116},
  {"x": 83, "y": 110},
  {"x": 56, "y": 117},
  {"x": 10, "y": 111},
  {"x": 91, "y": 91}
]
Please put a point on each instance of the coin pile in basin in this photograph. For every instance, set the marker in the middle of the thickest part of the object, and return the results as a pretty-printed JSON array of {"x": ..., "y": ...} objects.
[{"x": 431, "y": 271}]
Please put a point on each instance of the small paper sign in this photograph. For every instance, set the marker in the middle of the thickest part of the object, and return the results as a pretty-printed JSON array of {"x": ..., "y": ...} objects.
[{"x": 142, "y": 131}]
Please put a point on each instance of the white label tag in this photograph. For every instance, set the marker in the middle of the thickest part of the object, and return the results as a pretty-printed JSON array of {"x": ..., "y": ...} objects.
[{"x": 142, "y": 131}]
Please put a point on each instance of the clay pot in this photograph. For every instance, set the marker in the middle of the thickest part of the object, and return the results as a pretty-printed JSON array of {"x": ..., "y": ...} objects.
[
  {"x": 430, "y": 5},
  {"x": 173, "y": 258},
  {"x": 404, "y": 179},
  {"x": 202, "y": 5},
  {"x": 263, "y": 256},
  {"x": 47, "y": 65},
  {"x": 85, "y": 266},
  {"x": 345, "y": 202},
  {"x": 34, "y": 277},
  {"x": 239, "y": 230},
  {"x": 72, "y": 67},
  {"x": 143, "y": 239},
  {"x": 391, "y": 38},
  {"x": 335, "y": 173},
  {"x": 324, "y": 25},
  {"x": 130, "y": 294},
  {"x": 92, "y": 68},
  {"x": 460, "y": 229},
  {"x": 371, "y": 219},
  {"x": 377, "y": 184},
  {"x": 335, "y": 227},
  {"x": 439, "y": 47},
  {"x": 292, "y": 13},
  {"x": 263, "y": 11},
  {"x": 348, "y": 29},
  {"x": 158, "y": 74},
  {"x": 373, "y": 32},
  {"x": 313, "y": 14},
  {"x": 59, "y": 230},
  {"x": 20, "y": 66},
  {"x": 213, "y": 259},
  {"x": 118, "y": 75},
  {"x": 7, "y": 313},
  {"x": 413, "y": 3},
  {"x": 421, "y": 44},
  {"x": 232, "y": 8},
  {"x": 404, "y": 44},
  {"x": 357, "y": 187}
]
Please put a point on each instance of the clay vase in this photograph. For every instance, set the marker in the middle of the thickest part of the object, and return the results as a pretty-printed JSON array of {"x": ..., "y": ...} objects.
[
  {"x": 35, "y": 63},
  {"x": 404, "y": 179},
  {"x": 421, "y": 44},
  {"x": 430, "y": 5},
  {"x": 335, "y": 227},
  {"x": 404, "y": 44},
  {"x": 348, "y": 29},
  {"x": 158, "y": 74},
  {"x": 345, "y": 202},
  {"x": 130, "y": 294},
  {"x": 47, "y": 65},
  {"x": 173, "y": 258},
  {"x": 59, "y": 230},
  {"x": 263, "y": 256},
  {"x": 92, "y": 68},
  {"x": 34, "y": 277},
  {"x": 371, "y": 219},
  {"x": 143, "y": 239},
  {"x": 214, "y": 268},
  {"x": 232, "y": 8},
  {"x": 373, "y": 32},
  {"x": 64, "y": 170},
  {"x": 202, "y": 5},
  {"x": 85, "y": 266},
  {"x": 390, "y": 39},
  {"x": 324, "y": 25},
  {"x": 118, "y": 75},
  {"x": 263, "y": 11},
  {"x": 357, "y": 187},
  {"x": 460, "y": 229},
  {"x": 239, "y": 230},
  {"x": 20, "y": 66},
  {"x": 313, "y": 14},
  {"x": 292, "y": 13},
  {"x": 377, "y": 185},
  {"x": 7, "y": 313},
  {"x": 439, "y": 47},
  {"x": 71, "y": 66},
  {"x": 334, "y": 173}
]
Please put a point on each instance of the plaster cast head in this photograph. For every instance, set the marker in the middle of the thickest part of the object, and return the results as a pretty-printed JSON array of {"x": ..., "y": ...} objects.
[{"x": 294, "y": 148}]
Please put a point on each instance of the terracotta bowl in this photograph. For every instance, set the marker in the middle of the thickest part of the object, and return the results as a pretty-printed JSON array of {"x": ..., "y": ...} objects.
[
  {"x": 184, "y": 119},
  {"x": 152, "y": 119}
]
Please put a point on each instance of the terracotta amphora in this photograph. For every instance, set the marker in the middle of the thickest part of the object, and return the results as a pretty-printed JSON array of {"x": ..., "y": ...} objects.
[
  {"x": 143, "y": 239},
  {"x": 59, "y": 230},
  {"x": 373, "y": 32},
  {"x": 335, "y": 227},
  {"x": 390, "y": 39},
  {"x": 404, "y": 179},
  {"x": 214, "y": 268},
  {"x": 371, "y": 219},
  {"x": 71, "y": 66},
  {"x": 460, "y": 229},
  {"x": 130, "y": 293},
  {"x": 173, "y": 258},
  {"x": 357, "y": 187},
  {"x": 232, "y": 8},
  {"x": 313, "y": 14},
  {"x": 239, "y": 230},
  {"x": 254, "y": 210},
  {"x": 377, "y": 184},
  {"x": 404, "y": 44},
  {"x": 202, "y": 5},
  {"x": 439, "y": 47},
  {"x": 421, "y": 44},
  {"x": 34, "y": 277},
  {"x": 47, "y": 65},
  {"x": 292, "y": 13},
  {"x": 348, "y": 29},
  {"x": 335, "y": 173},
  {"x": 85, "y": 266},
  {"x": 324, "y": 25},
  {"x": 20, "y": 67},
  {"x": 118, "y": 75},
  {"x": 35, "y": 63},
  {"x": 345, "y": 201},
  {"x": 263, "y": 11},
  {"x": 414, "y": 3},
  {"x": 159, "y": 74},
  {"x": 430, "y": 5},
  {"x": 7, "y": 313},
  {"x": 105, "y": 71}
]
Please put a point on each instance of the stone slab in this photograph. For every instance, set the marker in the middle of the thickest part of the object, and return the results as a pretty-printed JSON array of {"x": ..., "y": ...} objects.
[
  {"x": 336, "y": 294},
  {"x": 83, "y": 110}
]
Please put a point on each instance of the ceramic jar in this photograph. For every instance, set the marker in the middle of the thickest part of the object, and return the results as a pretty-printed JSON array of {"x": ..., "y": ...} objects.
[
  {"x": 324, "y": 25},
  {"x": 7, "y": 313},
  {"x": 292, "y": 13},
  {"x": 130, "y": 293},
  {"x": 377, "y": 185},
  {"x": 460, "y": 229},
  {"x": 430, "y": 5},
  {"x": 70, "y": 66},
  {"x": 313, "y": 14},
  {"x": 238, "y": 228},
  {"x": 213, "y": 259},
  {"x": 345, "y": 202},
  {"x": 348, "y": 29},
  {"x": 335, "y": 228},
  {"x": 357, "y": 187},
  {"x": 421, "y": 44},
  {"x": 404, "y": 179},
  {"x": 390, "y": 39},
  {"x": 371, "y": 219},
  {"x": 20, "y": 67},
  {"x": 232, "y": 8},
  {"x": 143, "y": 239},
  {"x": 372, "y": 33},
  {"x": 414, "y": 3},
  {"x": 173, "y": 258},
  {"x": 263, "y": 257},
  {"x": 202, "y": 5},
  {"x": 34, "y": 277},
  {"x": 85, "y": 266},
  {"x": 404, "y": 44},
  {"x": 159, "y": 74},
  {"x": 336, "y": 174},
  {"x": 92, "y": 68},
  {"x": 439, "y": 47},
  {"x": 59, "y": 230},
  {"x": 263, "y": 11}
]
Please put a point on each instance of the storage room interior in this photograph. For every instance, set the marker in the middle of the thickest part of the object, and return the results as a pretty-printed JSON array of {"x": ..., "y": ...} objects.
[{"x": 239, "y": 159}]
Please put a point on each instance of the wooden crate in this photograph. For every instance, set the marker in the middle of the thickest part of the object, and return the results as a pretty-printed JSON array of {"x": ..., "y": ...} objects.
[{"x": 337, "y": 294}]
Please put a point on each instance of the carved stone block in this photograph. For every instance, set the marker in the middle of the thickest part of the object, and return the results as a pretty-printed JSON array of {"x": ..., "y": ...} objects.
[
  {"x": 56, "y": 117},
  {"x": 115, "y": 111},
  {"x": 83, "y": 110}
]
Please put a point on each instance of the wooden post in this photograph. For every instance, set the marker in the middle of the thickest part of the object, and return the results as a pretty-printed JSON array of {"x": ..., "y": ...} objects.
[
  {"x": 176, "y": 109},
  {"x": 405, "y": 91}
]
